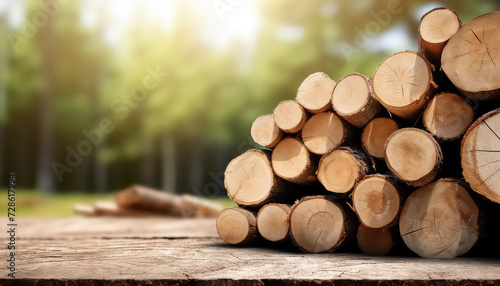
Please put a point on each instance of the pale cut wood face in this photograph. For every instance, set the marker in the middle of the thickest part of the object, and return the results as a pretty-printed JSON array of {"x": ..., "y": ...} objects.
[
  {"x": 411, "y": 153},
  {"x": 290, "y": 158},
  {"x": 481, "y": 157},
  {"x": 249, "y": 178},
  {"x": 272, "y": 222},
  {"x": 323, "y": 132},
  {"x": 315, "y": 92},
  {"x": 439, "y": 26},
  {"x": 375, "y": 134},
  {"x": 316, "y": 225},
  {"x": 376, "y": 202},
  {"x": 471, "y": 59},
  {"x": 448, "y": 116},
  {"x": 374, "y": 241},
  {"x": 232, "y": 226},
  {"x": 351, "y": 94},
  {"x": 265, "y": 132},
  {"x": 440, "y": 220},
  {"x": 289, "y": 116},
  {"x": 338, "y": 171},
  {"x": 402, "y": 79}
]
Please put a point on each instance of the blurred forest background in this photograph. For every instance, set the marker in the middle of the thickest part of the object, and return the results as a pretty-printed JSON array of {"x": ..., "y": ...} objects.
[{"x": 98, "y": 95}]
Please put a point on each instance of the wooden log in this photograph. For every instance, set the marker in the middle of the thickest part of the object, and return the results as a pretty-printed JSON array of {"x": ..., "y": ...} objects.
[
  {"x": 290, "y": 116},
  {"x": 103, "y": 208},
  {"x": 324, "y": 132},
  {"x": 353, "y": 100},
  {"x": 237, "y": 226},
  {"x": 203, "y": 207},
  {"x": 319, "y": 224},
  {"x": 440, "y": 220},
  {"x": 374, "y": 241},
  {"x": 413, "y": 155},
  {"x": 265, "y": 132},
  {"x": 146, "y": 199},
  {"x": 273, "y": 222},
  {"x": 447, "y": 116},
  {"x": 374, "y": 135},
  {"x": 435, "y": 29},
  {"x": 315, "y": 92},
  {"x": 84, "y": 210},
  {"x": 292, "y": 161},
  {"x": 480, "y": 155},
  {"x": 403, "y": 84},
  {"x": 470, "y": 58},
  {"x": 340, "y": 170},
  {"x": 378, "y": 200},
  {"x": 250, "y": 181}
]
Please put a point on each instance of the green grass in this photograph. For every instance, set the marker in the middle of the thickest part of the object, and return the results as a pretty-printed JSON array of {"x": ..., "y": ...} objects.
[{"x": 30, "y": 203}]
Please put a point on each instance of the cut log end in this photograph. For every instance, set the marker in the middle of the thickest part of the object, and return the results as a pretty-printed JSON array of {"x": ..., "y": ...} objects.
[
  {"x": 377, "y": 201},
  {"x": 374, "y": 241},
  {"x": 237, "y": 226},
  {"x": 447, "y": 116},
  {"x": 413, "y": 155},
  {"x": 402, "y": 83},
  {"x": 265, "y": 132},
  {"x": 440, "y": 220},
  {"x": 436, "y": 27},
  {"x": 292, "y": 161},
  {"x": 290, "y": 116},
  {"x": 480, "y": 156},
  {"x": 318, "y": 224},
  {"x": 249, "y": 178},
  {"x": 340, "y": 170},
  {"x": 352, "y": 99},
  {"x": 324, "y": 132},
  {"x": 273, "y": 222},
  {"x": 375, "y": 134},
  {"x": 315, "y": 92},
  {"x": 470, "y": 60}
]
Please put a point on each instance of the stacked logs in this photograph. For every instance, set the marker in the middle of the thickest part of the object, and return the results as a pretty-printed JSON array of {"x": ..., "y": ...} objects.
[{"x": 374, "y": 160}]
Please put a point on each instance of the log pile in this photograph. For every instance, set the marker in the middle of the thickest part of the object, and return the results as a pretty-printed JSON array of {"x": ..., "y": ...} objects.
[{"x": 372, "y": 162}]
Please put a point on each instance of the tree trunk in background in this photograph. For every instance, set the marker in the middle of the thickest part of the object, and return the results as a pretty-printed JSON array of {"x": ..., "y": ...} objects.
[
  {"x": 147, "y": 164},
  {"x": 168, "y": 163},
  {"x": 196, "y": 168},
  {"x": 45, "y": 175},
  {"x": 4, "y": 66}
]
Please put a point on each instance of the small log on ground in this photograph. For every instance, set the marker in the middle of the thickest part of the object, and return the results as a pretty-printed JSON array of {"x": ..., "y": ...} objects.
[
  {"x": 318, "y": 224},
  {"x": 403, "y": 84},
  {"x": 378, "y": 200},
  {"x": 265, "y": 132},
  {"x": 237, "y": 226},
  {"x": 413, "y": 155},
  {"x": 471, "y": 59},
  {"x": 340, "y": 170},
  {"x": 315, "y": 92},
  {"x": 324, "y": 132},
  {"x": 447, "y": 116},
  {"x": 273, "y": 222},
  {"x": 374, "y": 135},
  {"x": 250, "y": 181},
  {"x": 480, "y": 156},
  {"x": 353, "y": 100},
  {"x": 292, "y": 161},
  {"x": 290, "y": 116},
  {"x": 440, "y": 220},
  {"x": 436, "y": 27}
]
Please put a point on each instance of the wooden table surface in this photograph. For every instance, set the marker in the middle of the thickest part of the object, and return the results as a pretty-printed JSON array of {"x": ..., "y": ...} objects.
[{"x": 123, "y": 251}]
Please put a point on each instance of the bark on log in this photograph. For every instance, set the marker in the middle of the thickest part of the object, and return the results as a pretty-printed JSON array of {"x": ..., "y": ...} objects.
[
  {"x": 315, "y": 93},
  {"x": 435, "y": 29},
  {"x": 290, "y": 116},
  {"x": 413, "y": 155},
  {"x": 403, "y": 84},
  {"x": 440, "y": 220},
  {"x": 324, "y": 132},
  {"x": 237, "y": 226},
  {"x": 319, "y": 224},
  {"x": 353, "y": 100},
  {"x": 273, "y": 222},
  {"x": 480, "y": 155},
  {"x": 471, "y": 58}
]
